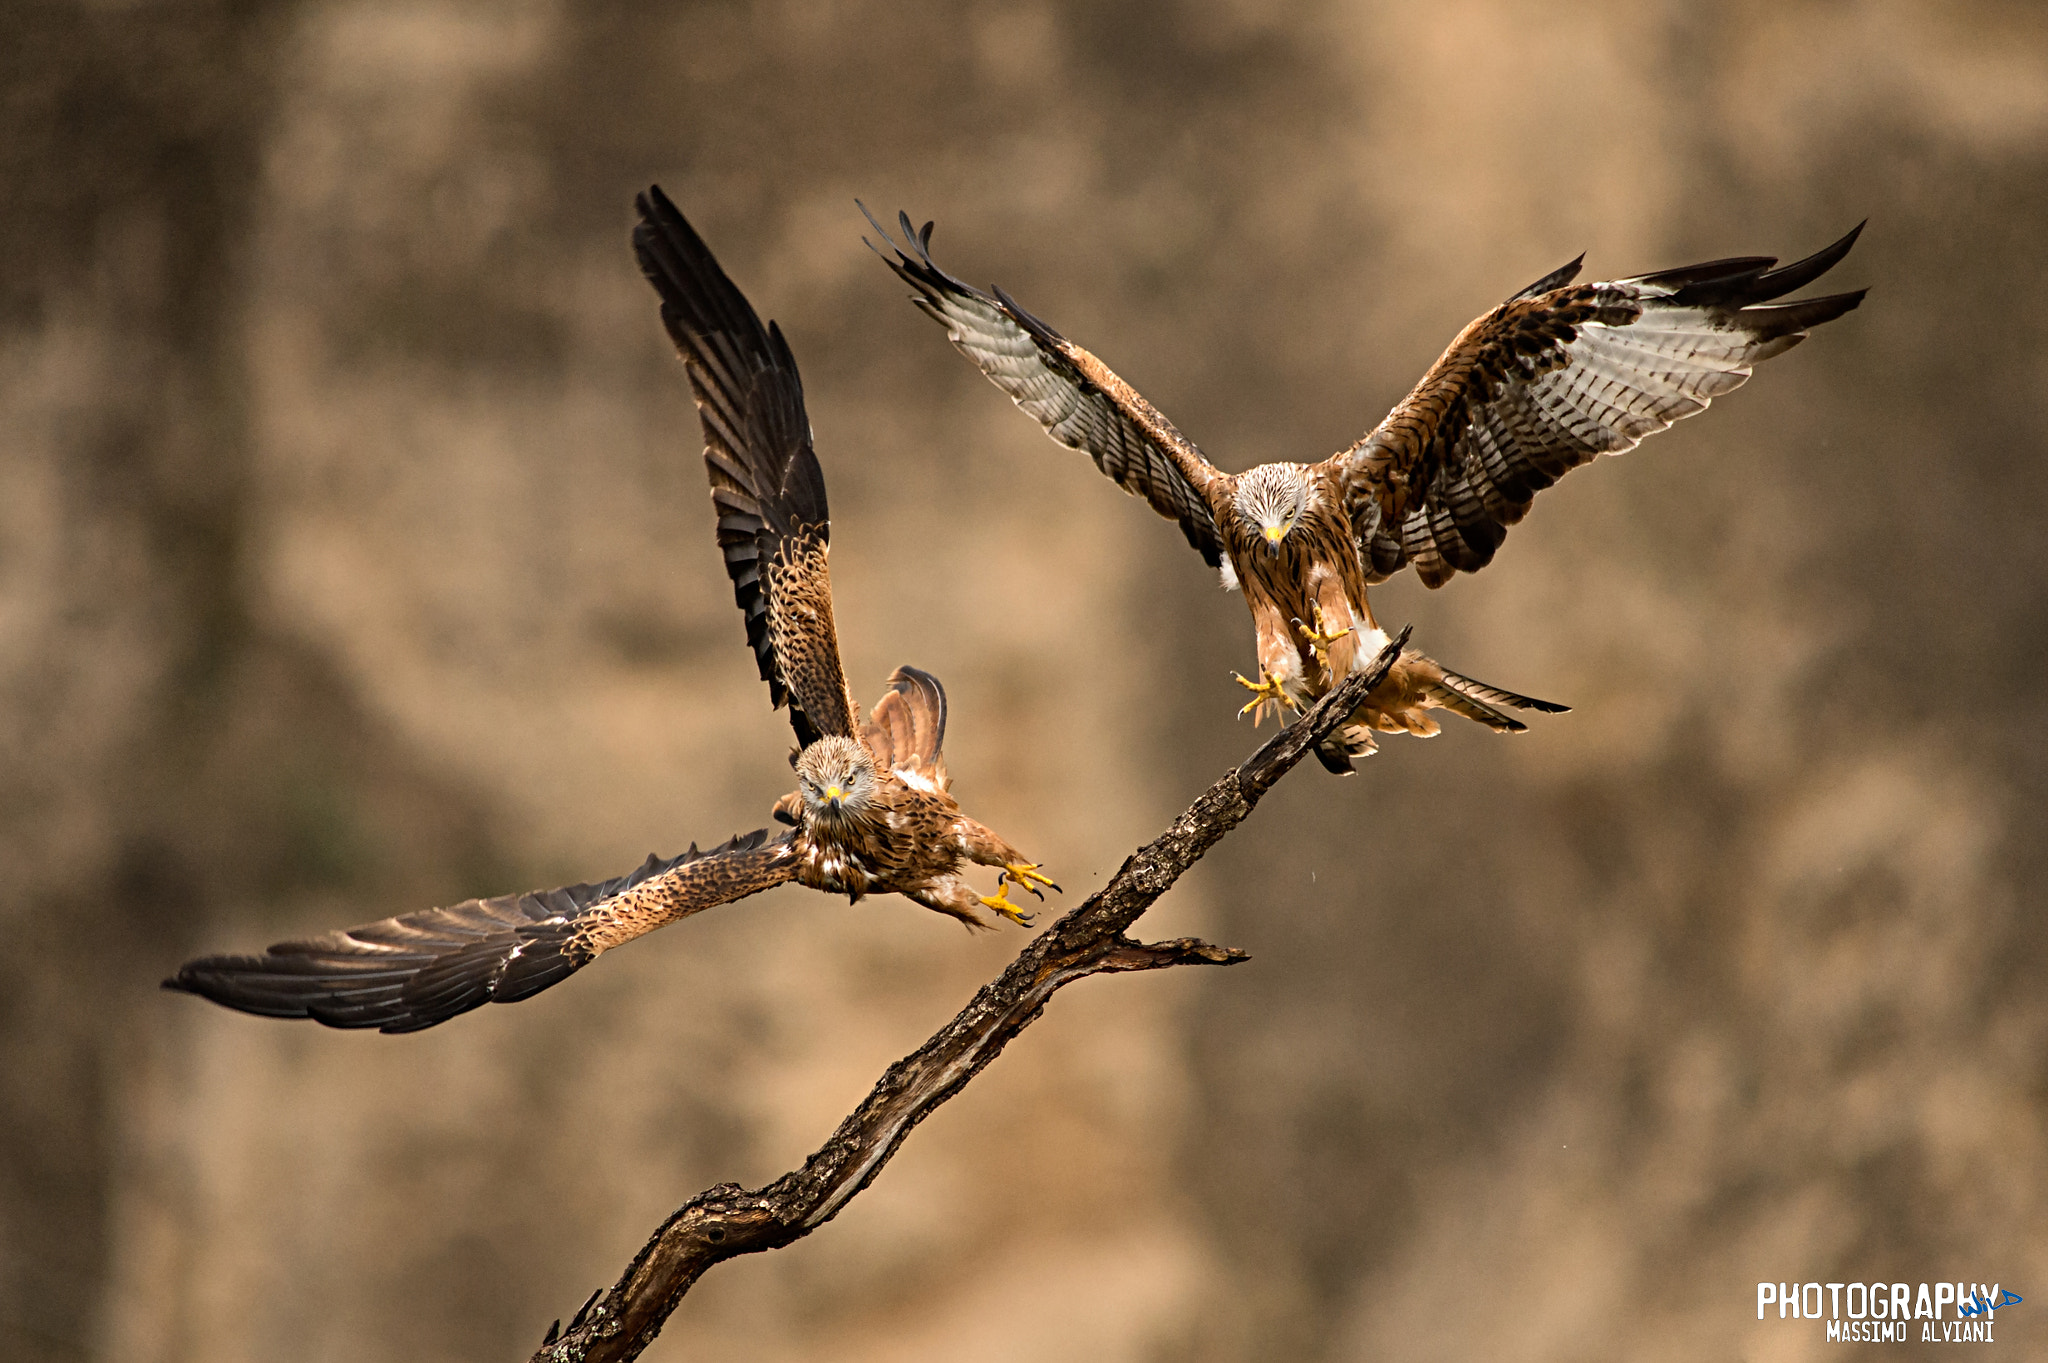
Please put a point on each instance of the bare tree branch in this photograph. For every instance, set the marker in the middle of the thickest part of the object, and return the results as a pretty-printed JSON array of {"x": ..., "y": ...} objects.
[{"x": 726, "y": 1221}]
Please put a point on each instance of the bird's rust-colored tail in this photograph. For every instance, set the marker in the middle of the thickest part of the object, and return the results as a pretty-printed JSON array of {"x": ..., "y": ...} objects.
[{"x": 908, "y": 727}]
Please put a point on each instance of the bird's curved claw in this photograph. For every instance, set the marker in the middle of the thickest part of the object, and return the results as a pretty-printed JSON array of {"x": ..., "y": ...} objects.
[
  {"x": 1267, "y": 691},
  {"x": 1024, "y": 873},
  {"x": 1000, "y": 902},
  {"x": 1320, "y": 638}
]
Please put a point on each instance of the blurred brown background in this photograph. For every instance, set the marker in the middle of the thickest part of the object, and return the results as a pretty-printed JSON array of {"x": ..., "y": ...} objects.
[{"x": 354, "y": 556}]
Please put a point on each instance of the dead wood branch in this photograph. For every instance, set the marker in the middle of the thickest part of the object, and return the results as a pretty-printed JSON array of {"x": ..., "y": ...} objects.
[{"x": 726, "y": 1221}]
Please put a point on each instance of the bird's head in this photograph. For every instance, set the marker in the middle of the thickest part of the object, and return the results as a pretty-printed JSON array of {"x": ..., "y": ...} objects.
[
  {"x": 835, "y": 778},
  {"x": 1271, "y": 499}
]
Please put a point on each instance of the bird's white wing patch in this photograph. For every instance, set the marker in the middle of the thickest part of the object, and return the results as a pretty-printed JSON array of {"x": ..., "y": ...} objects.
[{"x": 916, "y": 780}]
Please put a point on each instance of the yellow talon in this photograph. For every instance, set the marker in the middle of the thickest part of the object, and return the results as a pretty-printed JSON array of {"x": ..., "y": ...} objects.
[
  {"x": 1023, "y": 873},
  {"x": 1016, "y": 873},
  {"x": 1319, "y": 640},
  {"x": 1000, "y": 902},
  {"x": 1264, "y": 693}
]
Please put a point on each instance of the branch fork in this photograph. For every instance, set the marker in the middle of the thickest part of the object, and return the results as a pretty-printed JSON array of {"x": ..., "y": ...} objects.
[{"x": 726, "y": 1221}]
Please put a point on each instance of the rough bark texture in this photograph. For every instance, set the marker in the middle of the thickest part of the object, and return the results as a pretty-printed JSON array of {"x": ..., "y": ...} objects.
[{"x": 726, "y": 1221}]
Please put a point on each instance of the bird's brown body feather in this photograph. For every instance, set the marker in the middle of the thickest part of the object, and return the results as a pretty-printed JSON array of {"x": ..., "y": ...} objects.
[
  {"x": 913, "y": 842},
  {"x": 1315, "y": 576}
]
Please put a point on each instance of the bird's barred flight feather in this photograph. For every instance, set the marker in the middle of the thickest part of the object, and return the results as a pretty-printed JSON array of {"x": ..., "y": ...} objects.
[
  {"x": 1554, "y": 376},
  {"x": 774, "y": 525},
  {"x": 891, "y": 826},
  {"x": 414, "y": 971},
  {"x": 1531, "y": 390},
  {"x": 1079, "y": 401}
]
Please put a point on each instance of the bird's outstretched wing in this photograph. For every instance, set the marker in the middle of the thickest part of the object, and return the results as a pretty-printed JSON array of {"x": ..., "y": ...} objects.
[
  {"x": 908, "y": 729},
  {"x": 403, "y": 974},
  {"x": 1552, "y": 377},
  {"x": 773, "y": 524},
  {"x": 1079, "y": 401}
]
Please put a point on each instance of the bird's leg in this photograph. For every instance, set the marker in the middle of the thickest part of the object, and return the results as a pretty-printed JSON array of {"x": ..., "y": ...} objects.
[
  {"x": 982, "y": 844},
  {"x": 1321, "y": 637},
  {"x": 954, "y": 897},
  {"x": 1267, "y": 691}
]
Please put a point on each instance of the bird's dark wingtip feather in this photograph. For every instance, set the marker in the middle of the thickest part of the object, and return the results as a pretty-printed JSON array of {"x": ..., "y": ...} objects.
[
  {"x": 880, "y": 231},
  {"x": 656, "y": 195},
  {"x": 1742, "y": 282},
  {"x": 1040, "y": 330},
  {"x": 1776, "y": 283},
  {"x": 1798, "y": 317},
  {"x": 1556, "y": 279}
]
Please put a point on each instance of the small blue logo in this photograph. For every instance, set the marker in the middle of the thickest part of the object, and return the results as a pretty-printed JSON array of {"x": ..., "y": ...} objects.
[{"x": 1978, "y": 1305}]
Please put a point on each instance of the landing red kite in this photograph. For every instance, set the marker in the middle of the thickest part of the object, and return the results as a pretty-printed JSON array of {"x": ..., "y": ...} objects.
[{"x": 1528, "y": 392}]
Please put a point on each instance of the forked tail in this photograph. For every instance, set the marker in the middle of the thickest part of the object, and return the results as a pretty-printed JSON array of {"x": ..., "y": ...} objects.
[{"x": 1476, "y": 700}]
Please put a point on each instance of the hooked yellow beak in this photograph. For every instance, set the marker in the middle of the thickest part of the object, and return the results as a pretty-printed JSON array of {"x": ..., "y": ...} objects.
[
  {"x": 834, "y": 794},
  {"x": 1275, "y": 533}
]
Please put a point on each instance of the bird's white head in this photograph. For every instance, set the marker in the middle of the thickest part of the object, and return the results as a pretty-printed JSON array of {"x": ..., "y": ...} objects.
[
  {"x": 835, "y": 778},
  {"x": 1272, "y": 499}
]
